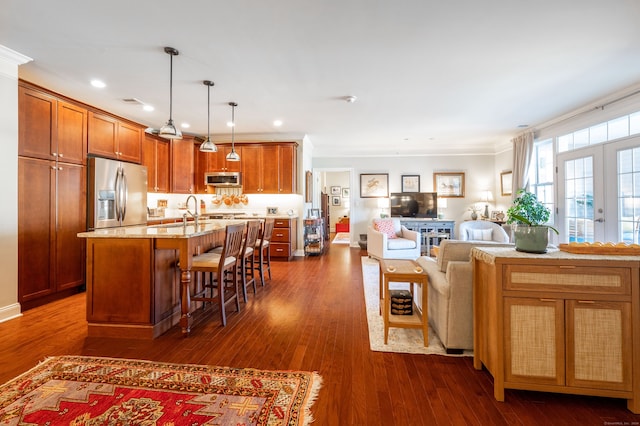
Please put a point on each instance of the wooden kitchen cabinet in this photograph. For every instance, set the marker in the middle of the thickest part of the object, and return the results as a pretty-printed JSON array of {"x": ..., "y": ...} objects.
[
  {"x": 218, "y": 160},
  {"x": 52, "y": 210},
  {"x": 113, "y": 138},
  {"x": 182, "y": 165},
  {"x": 284, "y": 240},
  {"x": 50, "y": 127},
  {"x": 155, "y": 155},
  {"x": 558, "y": 322},
  {"x": 287, "y": 168},
  {"x": 203, "y": 163},
  {"x": 260, "y": 169}
]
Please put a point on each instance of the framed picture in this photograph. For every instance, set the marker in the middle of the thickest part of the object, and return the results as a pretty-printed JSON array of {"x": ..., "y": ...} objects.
[
  {"x": 410, "y": 183},
  {"x": 505, "y": 183},
  {"x": 345, "y": 192},
  {"x": 335, "y": 200},
  {"x": 449, "y": 185},
  {"x": 374, "y": 185},
  {"x": 314, "y": 213},
  {"x": 335, "y": 190}
]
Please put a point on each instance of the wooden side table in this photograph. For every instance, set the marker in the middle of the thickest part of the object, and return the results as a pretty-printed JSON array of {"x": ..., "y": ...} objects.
[{"x": 410, "y": 272}]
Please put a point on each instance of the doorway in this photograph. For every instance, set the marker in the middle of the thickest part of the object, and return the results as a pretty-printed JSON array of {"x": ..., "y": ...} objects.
[{"x": 337, "y": 184}]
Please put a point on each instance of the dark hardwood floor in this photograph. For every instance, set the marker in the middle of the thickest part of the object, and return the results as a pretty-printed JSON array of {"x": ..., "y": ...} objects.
[{"x": 311, "y": 316}]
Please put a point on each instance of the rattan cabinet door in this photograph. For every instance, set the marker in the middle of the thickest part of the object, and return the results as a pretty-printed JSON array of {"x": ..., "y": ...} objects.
[
  {"x": 599, "y": 345},
  {"x": 534, "y": 341}
]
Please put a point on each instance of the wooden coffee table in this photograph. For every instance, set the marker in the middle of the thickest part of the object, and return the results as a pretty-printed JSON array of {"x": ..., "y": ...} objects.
[{"x": 403, "y": 271}]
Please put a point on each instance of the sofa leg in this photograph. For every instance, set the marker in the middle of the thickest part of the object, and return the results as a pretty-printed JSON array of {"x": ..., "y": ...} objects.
[{"x": 454, "y": 351}]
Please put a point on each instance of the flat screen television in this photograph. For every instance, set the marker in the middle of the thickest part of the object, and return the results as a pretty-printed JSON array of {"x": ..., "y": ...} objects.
[{"x": 414, "y": 204}]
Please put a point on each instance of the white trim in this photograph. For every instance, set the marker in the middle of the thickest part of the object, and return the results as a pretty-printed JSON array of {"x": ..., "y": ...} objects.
[
  {"x": 10, "y": 312},
  {"x": 12, "y": 56}
]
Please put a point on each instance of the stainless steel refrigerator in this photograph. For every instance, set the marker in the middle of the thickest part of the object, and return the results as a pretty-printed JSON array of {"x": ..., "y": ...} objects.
[{"x": 117, "y": 193}]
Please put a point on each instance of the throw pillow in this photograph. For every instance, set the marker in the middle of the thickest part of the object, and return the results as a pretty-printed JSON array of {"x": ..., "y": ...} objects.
[
  {"x": 386, "y": 227},
  {"x": 481, "y": 234}
]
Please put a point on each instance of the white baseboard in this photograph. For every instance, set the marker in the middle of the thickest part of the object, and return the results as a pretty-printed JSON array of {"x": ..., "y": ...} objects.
[{"x": 10, "y": 312}]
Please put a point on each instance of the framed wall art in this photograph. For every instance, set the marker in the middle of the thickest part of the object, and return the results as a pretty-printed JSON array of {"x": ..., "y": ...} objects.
[
  {"x": 335, "y": 190},
  {"x": 449, "y": 185},
  {"x": 345, "y": 192},
  {"x": 335, "y": 200},
  {"x": 505, "y": 183},
  {"x": 410, "y": 183},
  {"x": 374, "y": 185}
]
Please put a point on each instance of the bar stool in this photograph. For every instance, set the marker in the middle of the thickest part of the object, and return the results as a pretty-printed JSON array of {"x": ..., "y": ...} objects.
[
  {"x": 263, "y": 249},
  {"x": 224, "y": 265},
  {"x": 246, "y": 257}
]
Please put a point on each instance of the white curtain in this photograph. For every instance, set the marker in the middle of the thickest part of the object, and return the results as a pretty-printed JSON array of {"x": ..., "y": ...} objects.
[{"x": 522, "y": 152}]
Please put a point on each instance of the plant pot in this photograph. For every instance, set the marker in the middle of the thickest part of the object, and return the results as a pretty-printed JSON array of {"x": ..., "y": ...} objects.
[{"x": 531, "y": 239}]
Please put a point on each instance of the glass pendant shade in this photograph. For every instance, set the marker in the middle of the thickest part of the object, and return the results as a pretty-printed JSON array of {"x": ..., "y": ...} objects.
[
  {"x": 169, "y": 130},
  {"x": 233, "y": 155},
  {"x": 208, "y": 146}
]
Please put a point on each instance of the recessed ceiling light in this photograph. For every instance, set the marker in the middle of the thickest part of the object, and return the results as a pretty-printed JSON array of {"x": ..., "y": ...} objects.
[
  {"x": 98, "y": 83},
  {"x": 185, "y": 125},
  {"x": 351, "y": 99},
  {"x": 277, "y": 123},
  {"x": 148, "y": 108}
]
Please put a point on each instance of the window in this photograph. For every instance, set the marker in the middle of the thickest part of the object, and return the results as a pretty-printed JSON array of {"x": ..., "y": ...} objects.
[
  {"x": 602, "y": 132},
  {"x": 541, "y": 174}
]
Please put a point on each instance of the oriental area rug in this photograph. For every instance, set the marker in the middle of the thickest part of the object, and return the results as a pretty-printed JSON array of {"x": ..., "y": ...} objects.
[
  {"x": 77, "y": 390},
  {"x": 403, "y": 340}
]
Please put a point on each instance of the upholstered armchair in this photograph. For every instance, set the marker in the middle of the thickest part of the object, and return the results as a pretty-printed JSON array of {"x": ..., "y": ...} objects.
[
  {"x": 482, "y": 230},
  {"x": 388, "y": 239}
]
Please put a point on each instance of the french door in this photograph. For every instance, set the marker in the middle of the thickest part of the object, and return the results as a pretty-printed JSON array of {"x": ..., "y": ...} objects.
[{"x": 599, "y": 192}]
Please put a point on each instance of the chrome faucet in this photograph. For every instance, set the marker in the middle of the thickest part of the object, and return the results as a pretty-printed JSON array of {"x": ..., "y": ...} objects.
[{"x": 194, "y": 215}]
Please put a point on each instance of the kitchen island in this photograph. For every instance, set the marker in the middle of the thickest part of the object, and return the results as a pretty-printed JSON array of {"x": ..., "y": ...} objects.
[{"x": 139, "y": 277}]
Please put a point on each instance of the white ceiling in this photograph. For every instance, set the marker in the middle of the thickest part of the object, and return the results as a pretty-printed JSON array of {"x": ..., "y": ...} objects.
[{"x": 430, "y": 76}]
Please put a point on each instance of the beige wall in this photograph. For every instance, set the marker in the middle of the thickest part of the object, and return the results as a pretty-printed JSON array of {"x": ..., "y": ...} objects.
[
  {"x": 9, "y": 61},
  {"x": 482, "y": 172}
]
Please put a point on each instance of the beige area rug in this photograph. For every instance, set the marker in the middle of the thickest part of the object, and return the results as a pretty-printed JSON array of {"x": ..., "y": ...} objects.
[
  {"x": 341, "y": 238},
  {"x": 403, "y": 340}
]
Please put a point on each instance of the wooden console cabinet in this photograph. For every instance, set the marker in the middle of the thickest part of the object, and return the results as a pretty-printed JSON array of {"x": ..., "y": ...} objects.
[
  {"x": 431, "y": 231},
  {"x": 558, "y": 322}
]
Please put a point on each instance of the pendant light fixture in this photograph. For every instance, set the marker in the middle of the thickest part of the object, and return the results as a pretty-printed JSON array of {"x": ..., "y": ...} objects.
[
  {"x": 233, "y": 155},
  {"x": 169, "y": 131},
  {"x": 208, "y": 146}
]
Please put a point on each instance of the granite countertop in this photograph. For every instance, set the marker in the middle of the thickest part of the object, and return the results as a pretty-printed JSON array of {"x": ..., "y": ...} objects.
[
  {"x": 235, "y": 215},
  {"x": 168, "y": 230}
]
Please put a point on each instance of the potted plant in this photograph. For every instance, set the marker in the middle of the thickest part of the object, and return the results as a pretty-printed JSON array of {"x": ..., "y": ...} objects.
[{"x": 530, "y": 216}]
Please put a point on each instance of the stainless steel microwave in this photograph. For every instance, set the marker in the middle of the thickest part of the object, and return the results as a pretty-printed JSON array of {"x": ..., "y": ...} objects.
[{"x": 224, "y": 179}]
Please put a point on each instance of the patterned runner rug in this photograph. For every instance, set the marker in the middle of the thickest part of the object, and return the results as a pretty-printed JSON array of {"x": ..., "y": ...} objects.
[
  {"x": 77, "y": 390},
  {"x": 341, "y": 238},
  {"x": 404, "y": 340}
]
